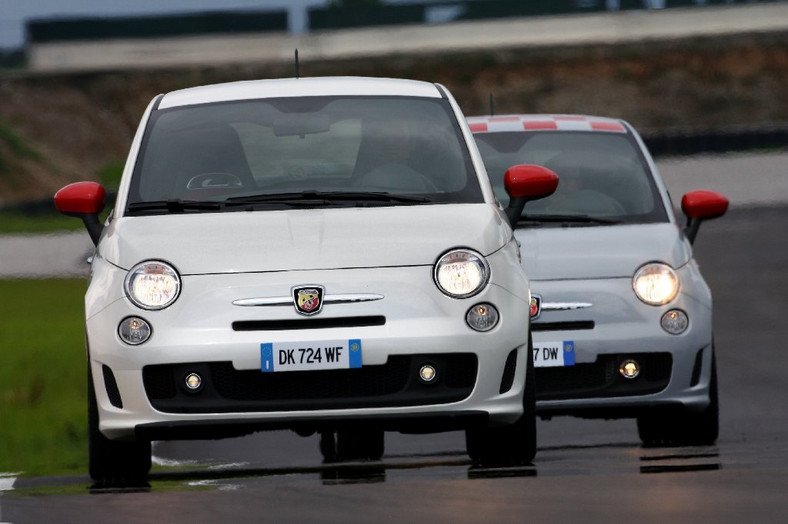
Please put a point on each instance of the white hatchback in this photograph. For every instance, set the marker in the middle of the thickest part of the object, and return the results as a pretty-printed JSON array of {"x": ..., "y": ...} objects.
[
  {"x": 323, "y": 255},
  {"x": 621, "y": 316}
]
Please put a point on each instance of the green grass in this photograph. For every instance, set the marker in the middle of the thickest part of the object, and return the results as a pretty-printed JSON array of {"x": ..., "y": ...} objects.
[
  {"x": 109, "y": 176},
  {"x": 16, "y": 146},
  {"x": 43, "y": 421},
  {"x": 12, "y": 222}
]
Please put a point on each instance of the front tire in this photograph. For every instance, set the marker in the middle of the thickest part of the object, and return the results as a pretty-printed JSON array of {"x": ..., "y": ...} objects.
[
  {"x": 514, "y": 444},
  {"x": 114, "y": 462},
  {"x": 679, "y": 427}
]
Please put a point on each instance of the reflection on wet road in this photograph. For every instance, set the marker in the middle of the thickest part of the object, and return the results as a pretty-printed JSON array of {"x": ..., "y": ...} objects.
[
  {"x": 552, "y": 462},
  {"x": 732, "y": 482}
]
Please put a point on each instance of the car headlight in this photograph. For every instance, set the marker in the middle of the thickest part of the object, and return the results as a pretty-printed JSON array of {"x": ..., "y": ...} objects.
[
  {"x": 461, "y": 273},
  {"x": 655, "y": 284},
  {"x": 153, "y": 285}
]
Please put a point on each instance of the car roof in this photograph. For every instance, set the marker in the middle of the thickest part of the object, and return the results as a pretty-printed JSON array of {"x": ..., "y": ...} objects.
[
  {"x": 299, "y": 87},
  {"x": 544, "y": 122}
]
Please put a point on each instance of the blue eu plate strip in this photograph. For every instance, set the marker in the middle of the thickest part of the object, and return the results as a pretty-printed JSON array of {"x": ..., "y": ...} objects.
[
  {"x": 267, "y": 357},
  {"x": 569, "y": 352},
  {"x": 355, "y": 352}
]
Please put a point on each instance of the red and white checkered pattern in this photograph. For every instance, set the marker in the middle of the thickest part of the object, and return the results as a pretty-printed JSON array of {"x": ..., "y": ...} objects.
[{"x": 504, "y": 123}]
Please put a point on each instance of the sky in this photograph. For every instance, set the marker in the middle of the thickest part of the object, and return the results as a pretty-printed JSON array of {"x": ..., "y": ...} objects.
[{"x": 15, "y": 13}]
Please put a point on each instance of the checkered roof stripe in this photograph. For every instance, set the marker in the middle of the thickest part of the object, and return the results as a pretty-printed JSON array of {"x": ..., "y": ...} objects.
[{"x": 504, "y": 123}]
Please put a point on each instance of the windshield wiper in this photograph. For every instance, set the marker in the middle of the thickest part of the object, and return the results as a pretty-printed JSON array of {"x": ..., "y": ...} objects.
[
  {"x": 300, "y": 199},
  {"x": 312, "y": 197},
  {"x": 566, "y": 219},
  {"x": 175, "y": 205}
]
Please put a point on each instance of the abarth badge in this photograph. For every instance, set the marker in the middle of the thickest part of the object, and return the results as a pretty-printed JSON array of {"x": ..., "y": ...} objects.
[
  {"x": 536, "y": 306},
  {"x": 308, "y": 300}
]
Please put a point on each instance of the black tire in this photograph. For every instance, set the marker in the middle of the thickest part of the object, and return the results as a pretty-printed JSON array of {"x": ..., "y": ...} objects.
[
  {"x": 352, "y": 444},
  {"x": 113, "y": 462},
  {"x": 328, "y": 446},
  {"x": 679, "y": 427},
  {"x": 510, "y": 445}
]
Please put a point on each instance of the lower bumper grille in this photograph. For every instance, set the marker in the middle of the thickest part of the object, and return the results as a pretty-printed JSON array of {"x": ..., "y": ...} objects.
[
  {"x": 226, "y": 389},
  {"x": 601, "y": 379}
]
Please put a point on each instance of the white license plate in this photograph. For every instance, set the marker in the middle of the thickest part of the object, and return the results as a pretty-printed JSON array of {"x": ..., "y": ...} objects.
[
  {"x": 310, "y": 356},
  {"x": 554, "y": 354}
]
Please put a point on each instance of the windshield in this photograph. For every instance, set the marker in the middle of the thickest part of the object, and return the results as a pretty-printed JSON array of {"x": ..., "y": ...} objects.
[
  {"x": 602, "y": 177},
  {"x": 305, "y": 152}
]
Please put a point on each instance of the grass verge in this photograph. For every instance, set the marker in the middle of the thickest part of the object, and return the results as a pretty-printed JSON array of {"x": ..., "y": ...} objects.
[
  {"x": 43, "y": 421},
  {"x": 12, "y": 222}
]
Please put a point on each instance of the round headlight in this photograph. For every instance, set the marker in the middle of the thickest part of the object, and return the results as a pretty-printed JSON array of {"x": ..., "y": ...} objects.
[
  {"x": 153, "y": 285},
  {"x": 461, "y": 273},
  {"x": 655, "y": 284}
]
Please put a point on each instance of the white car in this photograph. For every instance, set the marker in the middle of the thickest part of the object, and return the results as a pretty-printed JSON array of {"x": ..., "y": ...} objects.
[
  {"x": 621, "y": 316},
  {"x": 322, "y": 255}
]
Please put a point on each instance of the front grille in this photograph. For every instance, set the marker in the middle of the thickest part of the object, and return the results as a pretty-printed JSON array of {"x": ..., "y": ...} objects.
[
  {"x": 576, "y": 325},
  {"x": 309, "y": 323},
  {"x": 601, "y": 379},
  {"x": 226, "y": 389}
]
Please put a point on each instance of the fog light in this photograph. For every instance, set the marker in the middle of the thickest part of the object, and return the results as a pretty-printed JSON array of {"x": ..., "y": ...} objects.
[
  {"x": 482, "y": 317},
  {"x": 134, "y": 330},
  {"x": 427, "y": 373},
  {"x": 629, "y": 369},
  {"x": 193, "y": 382},
  {"x": 674, "y": 321}
]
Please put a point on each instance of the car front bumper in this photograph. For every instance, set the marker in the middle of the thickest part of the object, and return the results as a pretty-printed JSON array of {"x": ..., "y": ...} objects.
[
  {"x": 141, "y": 393},
  {"x": 606, "y": 325}
]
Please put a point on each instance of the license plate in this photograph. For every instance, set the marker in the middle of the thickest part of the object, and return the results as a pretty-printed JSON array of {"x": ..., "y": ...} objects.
[
  {"x": 310, "y": 356},
  {"x": 554, "y": 354}
]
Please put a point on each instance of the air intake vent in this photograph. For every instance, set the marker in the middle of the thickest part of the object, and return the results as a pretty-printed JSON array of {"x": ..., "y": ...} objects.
[
  {"x": 112, "y": 387},
  {"x": 308, "y": 323}
]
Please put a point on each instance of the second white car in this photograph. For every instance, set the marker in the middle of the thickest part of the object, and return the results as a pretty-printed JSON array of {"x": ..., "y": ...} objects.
[{"x": 621, "y": 316}]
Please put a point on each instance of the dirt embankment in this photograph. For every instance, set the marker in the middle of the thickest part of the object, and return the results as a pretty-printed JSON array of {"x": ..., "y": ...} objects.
[{"x": 60, "y": 128}]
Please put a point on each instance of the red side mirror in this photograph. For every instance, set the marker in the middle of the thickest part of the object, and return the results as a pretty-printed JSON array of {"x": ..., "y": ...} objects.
[
  {"x": 530, "y": 181},
  {"x": 704, "y": 204},
  {"x": 524, "y": 183},
  {"x": 81, "y": 198},
  {"x": 84, "y": 200},
  {"x": 701, "y": 205}
]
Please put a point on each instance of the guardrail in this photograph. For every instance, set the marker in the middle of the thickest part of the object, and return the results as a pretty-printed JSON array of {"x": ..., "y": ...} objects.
[
  {"x": 153, "y": 26},
  {"x": 340, "y": 17},
  {"x": 683, "y": 142}
]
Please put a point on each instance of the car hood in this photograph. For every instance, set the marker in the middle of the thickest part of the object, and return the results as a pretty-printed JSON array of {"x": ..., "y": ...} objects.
[
  {"x": 310, "y": 239},
  {"x": 551, "y": 253}
]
